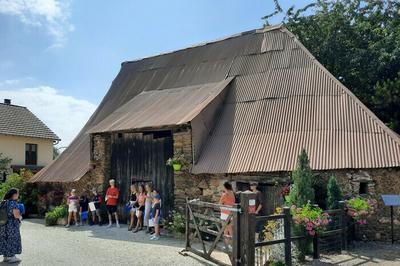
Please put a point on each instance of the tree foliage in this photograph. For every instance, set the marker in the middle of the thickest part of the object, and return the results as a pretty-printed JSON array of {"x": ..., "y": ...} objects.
[
  {"x": 302, "y": 191},
  {"x": 358, "y": 41},
  {"x": 4, "y": 162},
  {"x": 334, "y": 194}
]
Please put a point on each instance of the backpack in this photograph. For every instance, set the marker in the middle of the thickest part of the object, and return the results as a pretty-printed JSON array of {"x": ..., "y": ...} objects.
[{"x": 3, "y": 213}]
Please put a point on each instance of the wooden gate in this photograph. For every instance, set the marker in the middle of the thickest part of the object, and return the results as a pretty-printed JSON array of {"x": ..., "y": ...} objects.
[{"x": 142, "y": 157}]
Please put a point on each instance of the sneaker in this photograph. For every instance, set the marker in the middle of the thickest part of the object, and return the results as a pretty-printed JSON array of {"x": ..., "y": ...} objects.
[
  {"x": 135, "y": 231},
  {"x": 66, "y": 226},
  {"x": 155, "y": 238},
  {"x": 118, "y": 226},
  {"x": 76, "y": 224},
  {"x": 129, "y": 228},
  {"x": 14, "y": 260},
  {"x": 109, "y": 225}
]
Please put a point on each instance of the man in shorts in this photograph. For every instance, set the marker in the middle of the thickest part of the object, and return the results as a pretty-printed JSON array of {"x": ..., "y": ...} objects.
[
  {"x": 112, "y": 195},
  {"x": 259, "y": 209}
]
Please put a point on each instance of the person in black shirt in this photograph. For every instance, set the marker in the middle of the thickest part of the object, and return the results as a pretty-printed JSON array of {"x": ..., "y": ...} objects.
[
  {"x": 155, "y": 215},
  {"x": 83, "y": 209},
  {"x": 259, "y": 209},
  {"x": 96, "y": 201}
]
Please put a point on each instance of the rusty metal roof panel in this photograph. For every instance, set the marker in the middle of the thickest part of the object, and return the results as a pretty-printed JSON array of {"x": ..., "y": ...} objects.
[{"x": 159, "y": 108}]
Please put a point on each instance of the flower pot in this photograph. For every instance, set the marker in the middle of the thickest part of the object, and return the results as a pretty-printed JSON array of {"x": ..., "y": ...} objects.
[
  {"x": 177, "y": 167},
  {"x": 62, "y": 221}
]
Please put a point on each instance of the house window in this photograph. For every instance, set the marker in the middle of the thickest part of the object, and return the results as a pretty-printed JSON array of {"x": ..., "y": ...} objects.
[
  {"x": 363, "y": 188},
  {"x": 30, "y": 154}
]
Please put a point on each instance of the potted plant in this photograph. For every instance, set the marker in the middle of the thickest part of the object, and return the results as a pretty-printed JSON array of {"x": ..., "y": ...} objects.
[
  {"x": 311, "y": 218},
  {"x": 177, "y": 161},
  {"x": 360, "y": 209}
]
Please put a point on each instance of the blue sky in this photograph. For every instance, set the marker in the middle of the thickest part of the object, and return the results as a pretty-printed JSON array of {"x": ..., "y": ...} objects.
[{"x": 59, "y": 58}]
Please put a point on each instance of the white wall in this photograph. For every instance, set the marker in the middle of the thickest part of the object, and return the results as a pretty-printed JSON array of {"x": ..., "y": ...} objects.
[{"x": 14, "y": 147}]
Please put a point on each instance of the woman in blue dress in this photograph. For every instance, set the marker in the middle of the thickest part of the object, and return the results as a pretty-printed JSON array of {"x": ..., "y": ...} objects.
[{"x": 10, "y": 237}]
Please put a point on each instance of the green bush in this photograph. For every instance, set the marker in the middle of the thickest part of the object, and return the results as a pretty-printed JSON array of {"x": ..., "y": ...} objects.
[
  {"x": 28, "y": 193},
  {"x": 334, "y": 194},
  {"x": 177, "y": 223},
  {"x": 52, "y": 216},
  {"x": 302, "y": 192},
  {"x": 277, "y": 263}
]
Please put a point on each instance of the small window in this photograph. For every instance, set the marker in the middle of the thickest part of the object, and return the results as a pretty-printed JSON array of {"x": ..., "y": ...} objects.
[
  {"x": 30, "y": 154},
  {"x": 363, "y": 188}
]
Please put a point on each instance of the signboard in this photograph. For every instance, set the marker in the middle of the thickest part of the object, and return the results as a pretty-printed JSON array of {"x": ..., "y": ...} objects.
[
  {"x": 252, "y": 206},
  {"x": 391, "y": 200}
]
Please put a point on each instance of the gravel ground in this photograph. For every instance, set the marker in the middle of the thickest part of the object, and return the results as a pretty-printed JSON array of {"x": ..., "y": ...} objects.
[
  {"x": 369, "y": 253},
  {"x": 94, "y": 245}
]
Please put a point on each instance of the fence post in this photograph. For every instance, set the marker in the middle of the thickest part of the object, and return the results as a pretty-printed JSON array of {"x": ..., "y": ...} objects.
[
  {"x": 288, "y": 235},
  {"x": 315, "y": 247},
  {"x": 248, "y": 227},
  {"x": 187, "y": 229},
  {"x": 236, "y": 237},
  {"x": 343, "y": 224}
]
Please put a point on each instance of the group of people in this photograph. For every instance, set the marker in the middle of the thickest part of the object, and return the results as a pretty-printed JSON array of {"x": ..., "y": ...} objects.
[{"x": 144, "y": 208}]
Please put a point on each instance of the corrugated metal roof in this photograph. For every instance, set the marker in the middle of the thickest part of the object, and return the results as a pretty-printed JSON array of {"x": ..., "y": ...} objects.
[
  {"x": 159, "y": 108},
  {"x": 19, "y": 121},
  {"x": 281, "y": 100}
]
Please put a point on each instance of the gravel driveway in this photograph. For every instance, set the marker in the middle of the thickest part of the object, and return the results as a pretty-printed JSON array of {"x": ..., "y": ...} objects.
[{"x": 94, "y": 245}]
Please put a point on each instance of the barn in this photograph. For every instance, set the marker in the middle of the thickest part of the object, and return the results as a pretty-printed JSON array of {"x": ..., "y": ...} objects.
[{"x": 239, "y": 108}]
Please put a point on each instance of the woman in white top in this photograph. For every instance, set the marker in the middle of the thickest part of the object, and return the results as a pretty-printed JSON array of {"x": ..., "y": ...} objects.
[{"x": 147, "y": 206}]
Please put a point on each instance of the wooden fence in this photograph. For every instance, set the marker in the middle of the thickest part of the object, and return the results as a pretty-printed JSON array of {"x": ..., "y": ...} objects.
[{"x": 204, "y": 224}]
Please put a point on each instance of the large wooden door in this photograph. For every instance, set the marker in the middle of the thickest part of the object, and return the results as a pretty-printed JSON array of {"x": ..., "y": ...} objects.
[{"x": 141, "y": 157}]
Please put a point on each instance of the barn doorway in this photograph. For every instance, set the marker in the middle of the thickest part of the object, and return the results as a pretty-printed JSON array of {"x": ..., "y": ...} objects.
[
  {"x": 140, "y": 158},
  {"x": 270, "y": 194}
]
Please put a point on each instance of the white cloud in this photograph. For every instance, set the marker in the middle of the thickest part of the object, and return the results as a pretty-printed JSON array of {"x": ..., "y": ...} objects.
[
  {"x": 53, "y": 15},
  {"x": 65, "y": 115}
]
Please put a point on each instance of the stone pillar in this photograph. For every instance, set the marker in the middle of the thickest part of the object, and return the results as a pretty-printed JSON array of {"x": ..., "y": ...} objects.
[{"x": 100, "y": 158}]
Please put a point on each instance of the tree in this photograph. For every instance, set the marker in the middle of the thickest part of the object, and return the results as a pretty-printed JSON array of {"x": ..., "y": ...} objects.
[
  {"x": 334, "y": 194},
  {"x": 358, "y": 41},
  {"x": 56, "y": 152},
  {"x": 302, "y": 190},
  {"x": 4, "y": 162}
]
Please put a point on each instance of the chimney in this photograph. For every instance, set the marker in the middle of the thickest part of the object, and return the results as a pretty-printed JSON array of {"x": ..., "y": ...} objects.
[{"x": 7, "y": 101}]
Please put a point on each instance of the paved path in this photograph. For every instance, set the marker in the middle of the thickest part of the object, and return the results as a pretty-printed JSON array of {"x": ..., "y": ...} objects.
[{"x": 94, "y": 245}]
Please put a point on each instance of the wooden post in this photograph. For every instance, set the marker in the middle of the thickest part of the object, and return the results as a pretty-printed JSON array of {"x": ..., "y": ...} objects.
[
  {"x": 236, "y": 238},
  {"x": 248, "y": 227},
  {"x": 391, "y": 223},
  {"x": 315, "y": 247},
  {"x": 343, "y": 224},
  {"x": 187, "y": 229},
  {"x": 287, "y": 232}
]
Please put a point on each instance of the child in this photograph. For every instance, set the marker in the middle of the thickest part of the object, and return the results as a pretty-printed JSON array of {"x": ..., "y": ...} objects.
[
  {"x": 133, "y": 205},
  {"x": 147, "y": 207},
  {"x": 156, "y": 216},
  {"x": 83, "y": 209},
  {"x": 73, "y": 202},
  {"x": 96, "y": 200}
]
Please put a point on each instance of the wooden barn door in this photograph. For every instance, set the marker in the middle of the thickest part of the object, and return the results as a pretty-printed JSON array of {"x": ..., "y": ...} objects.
[{"x": 141, "y": 157}]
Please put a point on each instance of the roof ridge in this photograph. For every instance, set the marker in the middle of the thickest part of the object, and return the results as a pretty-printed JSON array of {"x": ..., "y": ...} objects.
[
  {"x": 254, "y": 31},
  {"x": 346, "y": 90},
  {"x": 13, "y": 105}
]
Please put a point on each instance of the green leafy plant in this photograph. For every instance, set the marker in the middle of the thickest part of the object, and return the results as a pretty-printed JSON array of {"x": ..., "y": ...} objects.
[
  {"x": 52, "y": 216},
  {"x": 301, "y": 191},
  {"x": 277, "y": 263},
  {"x": 178, "y": 158},
  {"x": 177, "y": 223},
  {"x": 311, "y": 219},
  {"x": 360, "y": 209},
  {"x": 4, "y": 162},
  {"x": 334, "y": 194}
]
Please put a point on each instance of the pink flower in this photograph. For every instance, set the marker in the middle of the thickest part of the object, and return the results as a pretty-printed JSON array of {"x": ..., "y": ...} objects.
[
  {"x": 306, "y": 220},
  {"x": 311, "y": 233},
  {"x": 325, "y": 221}
]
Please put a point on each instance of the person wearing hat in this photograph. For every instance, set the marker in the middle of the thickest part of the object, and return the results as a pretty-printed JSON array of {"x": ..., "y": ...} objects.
[
  {"x": 259, "y": 208},
  {"x": 156, "y": 216}
]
